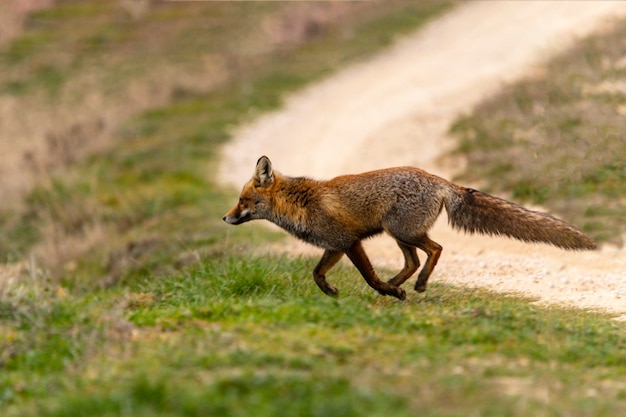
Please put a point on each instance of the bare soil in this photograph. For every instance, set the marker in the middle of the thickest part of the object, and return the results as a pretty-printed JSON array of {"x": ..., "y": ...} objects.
[{"x": 396, "y": 108}]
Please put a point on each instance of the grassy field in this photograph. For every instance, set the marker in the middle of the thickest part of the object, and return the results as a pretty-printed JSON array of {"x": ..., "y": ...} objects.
[
  {"x": 255, "y": 337},
  {"x": 139, "y": 301},
  {"x": 558, "y": 139}
]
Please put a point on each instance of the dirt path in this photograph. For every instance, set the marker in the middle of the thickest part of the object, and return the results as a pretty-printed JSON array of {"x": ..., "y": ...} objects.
[{"x": 395, "y": 109}]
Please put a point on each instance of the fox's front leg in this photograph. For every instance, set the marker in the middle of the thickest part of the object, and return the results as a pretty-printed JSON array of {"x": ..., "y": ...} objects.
[{"x": 329, "y": 259}]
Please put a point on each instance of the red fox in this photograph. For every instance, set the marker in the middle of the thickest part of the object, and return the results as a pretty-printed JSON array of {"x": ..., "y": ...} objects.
[{"x": 404, "y": 202}]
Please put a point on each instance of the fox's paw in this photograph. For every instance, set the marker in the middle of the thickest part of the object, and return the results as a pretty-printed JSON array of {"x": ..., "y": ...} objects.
[
  {"x": 419, "y": 287},
  {"x": 330, "y": 290},
  {"x": 398, "y": 292}
]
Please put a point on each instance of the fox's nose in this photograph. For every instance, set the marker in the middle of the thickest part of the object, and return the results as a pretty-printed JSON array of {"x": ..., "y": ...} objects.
[{"x": 224, "y": 218}]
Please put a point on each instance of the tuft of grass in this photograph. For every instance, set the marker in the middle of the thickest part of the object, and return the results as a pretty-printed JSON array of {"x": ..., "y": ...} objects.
[{"x": 558, "y": 140}]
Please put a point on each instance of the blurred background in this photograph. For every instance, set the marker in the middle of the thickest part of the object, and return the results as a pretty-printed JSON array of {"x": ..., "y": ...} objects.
[{"x": 111, "y": 110}]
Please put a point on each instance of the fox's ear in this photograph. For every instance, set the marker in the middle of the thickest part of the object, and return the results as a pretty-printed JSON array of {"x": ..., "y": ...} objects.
[{"x": 263, "y": 174}]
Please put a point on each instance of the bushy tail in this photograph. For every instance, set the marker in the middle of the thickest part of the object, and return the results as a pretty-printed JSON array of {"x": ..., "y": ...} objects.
[{"x": 478, "y": 212}]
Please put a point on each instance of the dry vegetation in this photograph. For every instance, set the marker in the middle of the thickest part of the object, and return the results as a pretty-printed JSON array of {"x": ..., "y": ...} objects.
[
  {"x": 558, "y": 139},
  {"x": 83, "y": 68}
]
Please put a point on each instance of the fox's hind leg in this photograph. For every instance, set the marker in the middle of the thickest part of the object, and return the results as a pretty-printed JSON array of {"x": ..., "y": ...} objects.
[
  {"x": 329, "y": 259},
  {"x": 433, "y": 250},
  {"x": 411, "y": 263}
]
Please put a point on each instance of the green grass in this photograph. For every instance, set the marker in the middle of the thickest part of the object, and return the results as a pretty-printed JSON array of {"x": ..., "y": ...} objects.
[
  {"x": 558, "y": 140},
  {"x": 240, "y": 336}
]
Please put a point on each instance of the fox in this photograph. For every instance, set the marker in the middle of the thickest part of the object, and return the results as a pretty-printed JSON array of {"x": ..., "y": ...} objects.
[{"x": 403, "y": 202}]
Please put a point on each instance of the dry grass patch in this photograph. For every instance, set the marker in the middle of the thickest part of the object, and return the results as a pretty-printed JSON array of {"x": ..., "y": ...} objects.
[{"x": 558, "y": 139}]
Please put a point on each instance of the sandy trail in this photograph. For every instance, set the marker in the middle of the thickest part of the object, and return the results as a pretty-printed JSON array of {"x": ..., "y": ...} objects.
[{"x": 396, "y": 108}]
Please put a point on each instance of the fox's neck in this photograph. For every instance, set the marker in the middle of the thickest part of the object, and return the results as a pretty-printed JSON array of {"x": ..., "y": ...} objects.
[
  {"x": 295, "y": 194},
  {"x": 292, "y": 204}
]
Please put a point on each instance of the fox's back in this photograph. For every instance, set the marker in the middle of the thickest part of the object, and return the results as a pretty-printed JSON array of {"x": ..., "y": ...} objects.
[
  {"x": 382, "y": 190},
  {"x": 367, "y": 202}
]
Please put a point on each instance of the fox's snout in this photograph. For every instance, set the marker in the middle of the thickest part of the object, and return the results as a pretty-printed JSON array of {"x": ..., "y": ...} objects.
[
  {"x": 236, "y": 216},
  {"x": 230, "y": 219}
]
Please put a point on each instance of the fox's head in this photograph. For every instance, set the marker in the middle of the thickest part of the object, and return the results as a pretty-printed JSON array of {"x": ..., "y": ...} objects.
[{"x": 254, "y": 200}]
